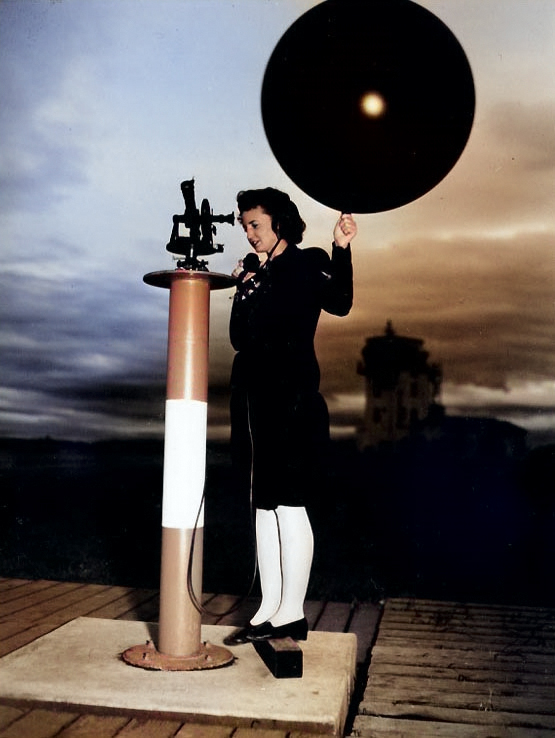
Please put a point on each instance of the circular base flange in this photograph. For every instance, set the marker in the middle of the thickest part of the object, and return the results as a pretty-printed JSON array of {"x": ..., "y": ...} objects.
[{"x": 146, "y": 656}]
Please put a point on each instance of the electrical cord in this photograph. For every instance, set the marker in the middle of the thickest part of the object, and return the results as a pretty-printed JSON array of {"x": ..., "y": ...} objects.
[{"x": 190, "y": 586}]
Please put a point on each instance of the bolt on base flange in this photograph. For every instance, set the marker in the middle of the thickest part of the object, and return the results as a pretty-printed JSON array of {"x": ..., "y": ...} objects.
[{"x": 146, "y": 656}]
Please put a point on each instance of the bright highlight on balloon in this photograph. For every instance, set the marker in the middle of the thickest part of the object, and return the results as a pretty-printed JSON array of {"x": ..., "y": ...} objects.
[{"x": 372, "y": 104}]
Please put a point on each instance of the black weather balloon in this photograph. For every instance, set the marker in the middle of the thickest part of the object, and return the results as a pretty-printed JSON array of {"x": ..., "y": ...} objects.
[{"x": 367, "y": 105}]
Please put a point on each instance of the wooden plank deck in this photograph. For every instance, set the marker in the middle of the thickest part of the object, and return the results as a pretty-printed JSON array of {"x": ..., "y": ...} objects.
[
  {"x": 30, "y": 609},
  {"x": 436, "y": 669},
  {"x": 452, "y": 670}
]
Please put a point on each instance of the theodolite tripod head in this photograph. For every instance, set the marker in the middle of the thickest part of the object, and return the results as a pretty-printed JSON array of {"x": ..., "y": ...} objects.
[{"x": 201, "y": 228}]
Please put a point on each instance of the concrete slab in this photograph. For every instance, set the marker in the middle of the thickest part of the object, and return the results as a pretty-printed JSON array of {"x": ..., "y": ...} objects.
[{"x": 80, "y": 665}]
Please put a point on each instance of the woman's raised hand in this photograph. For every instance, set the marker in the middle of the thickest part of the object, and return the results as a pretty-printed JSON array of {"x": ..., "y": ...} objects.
[{"x": 345, "y": 230}]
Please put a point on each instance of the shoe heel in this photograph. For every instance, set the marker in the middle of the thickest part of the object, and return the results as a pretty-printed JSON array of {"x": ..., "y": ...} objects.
[{"x": 299, "y": 631}]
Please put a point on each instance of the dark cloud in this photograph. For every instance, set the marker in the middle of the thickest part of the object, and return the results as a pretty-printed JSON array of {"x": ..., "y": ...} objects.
[
  {"x": 139, "y": 398},
  {"x": 483, "y": 306},
  {"x": 468, "y": 268},
  {"x": 85, "y": 357},
  {"x": 93, "y": 343},
  {"x": 511, "y": 409}
]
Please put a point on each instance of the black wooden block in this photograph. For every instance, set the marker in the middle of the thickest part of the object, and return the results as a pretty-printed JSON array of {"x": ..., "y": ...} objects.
[{"x": 282, "y": 656}]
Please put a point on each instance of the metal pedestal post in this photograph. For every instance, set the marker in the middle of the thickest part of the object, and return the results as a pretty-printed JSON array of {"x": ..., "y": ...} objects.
[{"x": 179, "y": 644}]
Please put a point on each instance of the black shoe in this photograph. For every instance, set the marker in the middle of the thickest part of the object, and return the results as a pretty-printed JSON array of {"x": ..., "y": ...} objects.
[
  {"x": 248, "y": 634},
  {"x": 297, "y": 630}
]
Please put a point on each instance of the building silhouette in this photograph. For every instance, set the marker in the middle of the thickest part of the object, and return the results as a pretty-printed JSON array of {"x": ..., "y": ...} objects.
[{"x": 401, "y": 387}]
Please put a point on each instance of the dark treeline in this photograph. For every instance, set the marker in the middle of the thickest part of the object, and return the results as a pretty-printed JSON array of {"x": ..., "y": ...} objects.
[{"x": 451, "y": 514}]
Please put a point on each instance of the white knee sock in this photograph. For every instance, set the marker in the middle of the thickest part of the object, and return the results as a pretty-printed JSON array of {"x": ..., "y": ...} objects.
[
  {"x": 269, "y": 564},
  {"x": 297, "y": 548}
]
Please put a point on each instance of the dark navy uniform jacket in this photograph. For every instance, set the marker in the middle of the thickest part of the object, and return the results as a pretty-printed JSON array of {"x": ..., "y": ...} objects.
[{"x": 279, "y": 419}]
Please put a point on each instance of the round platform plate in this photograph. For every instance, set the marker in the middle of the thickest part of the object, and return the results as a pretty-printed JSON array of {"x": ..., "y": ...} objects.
[
  {"x": 165, "y": 278},
  {"x": 367, "y": 105},
  {"x": 146, "y": 656}
]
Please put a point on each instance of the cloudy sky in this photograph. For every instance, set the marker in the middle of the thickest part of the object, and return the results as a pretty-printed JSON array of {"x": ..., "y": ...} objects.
[{"x": 107, "y": 105}]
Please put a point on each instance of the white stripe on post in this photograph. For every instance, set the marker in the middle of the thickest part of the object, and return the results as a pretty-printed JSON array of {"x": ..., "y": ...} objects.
[{"x": 184, "y": 463}]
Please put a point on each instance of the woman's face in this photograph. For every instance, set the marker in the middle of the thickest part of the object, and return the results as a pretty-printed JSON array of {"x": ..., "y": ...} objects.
[{"x": 257, "y": 224}]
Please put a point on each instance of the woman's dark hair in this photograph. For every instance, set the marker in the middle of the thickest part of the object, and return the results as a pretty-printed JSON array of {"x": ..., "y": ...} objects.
[{"x": 286, "y": 221}]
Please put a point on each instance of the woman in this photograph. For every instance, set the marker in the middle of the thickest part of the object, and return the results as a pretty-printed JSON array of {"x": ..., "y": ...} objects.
[{"x": 279, "y": 420}]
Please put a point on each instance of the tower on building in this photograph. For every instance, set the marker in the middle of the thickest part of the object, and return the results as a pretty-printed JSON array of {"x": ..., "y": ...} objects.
[{"x": 401, "y": 387}]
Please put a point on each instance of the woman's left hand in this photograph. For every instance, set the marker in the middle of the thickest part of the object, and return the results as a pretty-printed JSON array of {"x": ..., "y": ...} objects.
[{"x": 345, "y": 230}]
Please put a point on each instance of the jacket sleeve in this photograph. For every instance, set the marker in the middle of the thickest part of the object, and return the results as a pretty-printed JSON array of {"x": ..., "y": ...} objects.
[
  {"x": 238, "y": 323},
  {"x": 337, "y": 294}
]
